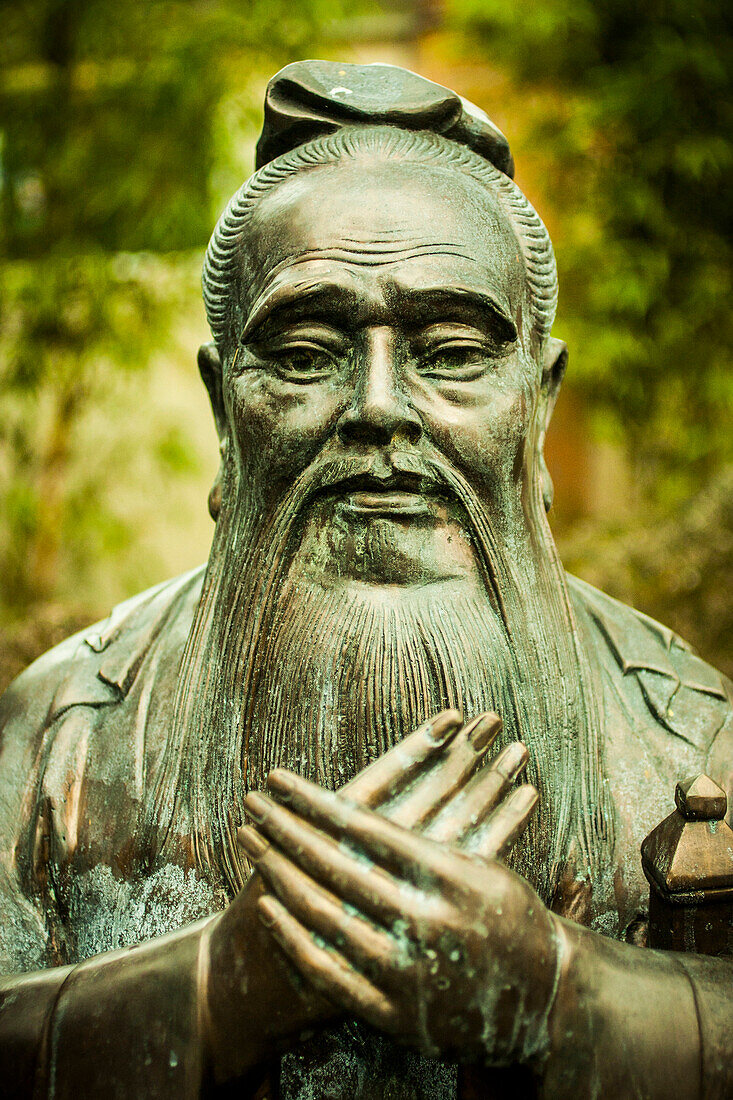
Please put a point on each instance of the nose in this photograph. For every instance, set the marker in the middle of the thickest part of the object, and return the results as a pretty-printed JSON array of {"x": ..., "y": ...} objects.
[{"x": 380, "y": 412}]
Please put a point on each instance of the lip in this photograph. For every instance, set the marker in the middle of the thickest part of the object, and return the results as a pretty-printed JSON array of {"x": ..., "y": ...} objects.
[
  {"x": 385, "y": 502},
  {"x": 400, "y": 494}
]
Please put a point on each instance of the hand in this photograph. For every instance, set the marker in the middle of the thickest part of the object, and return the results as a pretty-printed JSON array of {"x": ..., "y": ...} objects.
[
  {"x": 435, "y": 781},
  {"x": 449, "y": 951},
  {"x": 416, "y": 782}
]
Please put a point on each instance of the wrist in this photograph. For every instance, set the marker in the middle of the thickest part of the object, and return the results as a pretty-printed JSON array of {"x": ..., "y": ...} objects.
[
  {"x": 255, "y": 1004},
  {"x": 523, "y": 1009},
  {"x": 623, "y": 1021},
  {"x": 538, "y": 1043},
  {"x": 230, "y": 967}
]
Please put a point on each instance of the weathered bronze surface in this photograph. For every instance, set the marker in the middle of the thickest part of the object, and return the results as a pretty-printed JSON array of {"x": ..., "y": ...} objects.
[{"x": 458, "y": 911}]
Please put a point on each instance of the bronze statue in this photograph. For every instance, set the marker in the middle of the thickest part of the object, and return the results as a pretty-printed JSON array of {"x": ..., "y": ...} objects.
[{"x": 389, "y": 914}]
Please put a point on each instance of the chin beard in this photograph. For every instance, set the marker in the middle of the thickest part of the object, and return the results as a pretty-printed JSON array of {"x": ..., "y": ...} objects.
[{"x": 323, "y": 680}]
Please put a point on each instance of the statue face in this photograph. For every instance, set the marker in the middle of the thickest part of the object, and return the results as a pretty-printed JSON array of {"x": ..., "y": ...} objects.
[{"x": 386, "y": 322}]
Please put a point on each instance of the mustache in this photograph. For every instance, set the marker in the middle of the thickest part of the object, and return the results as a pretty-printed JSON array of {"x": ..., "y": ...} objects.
[
  {"x": 384, "y": 469},
  {"x": 395, "y": 468},
  {"x": 332, "y": 472}
]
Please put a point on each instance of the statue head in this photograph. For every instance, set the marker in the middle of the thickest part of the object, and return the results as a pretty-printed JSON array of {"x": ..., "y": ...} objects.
[
  {"x": 386, "y": 288},
  {"x": 380, "y": 294}
]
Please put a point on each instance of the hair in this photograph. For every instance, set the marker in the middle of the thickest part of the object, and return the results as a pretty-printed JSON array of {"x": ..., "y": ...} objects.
[{"x": 220, "y": 271}]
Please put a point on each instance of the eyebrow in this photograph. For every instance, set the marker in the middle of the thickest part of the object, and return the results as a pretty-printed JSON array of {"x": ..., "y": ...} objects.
[
  {"x": 459, "y": 302},
  {"x": 419, "y": 305},
  {"x": 312, "y": 297}
]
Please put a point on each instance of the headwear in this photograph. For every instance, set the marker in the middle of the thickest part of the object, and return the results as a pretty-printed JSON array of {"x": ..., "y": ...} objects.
[{"x": 310, "y": 99}]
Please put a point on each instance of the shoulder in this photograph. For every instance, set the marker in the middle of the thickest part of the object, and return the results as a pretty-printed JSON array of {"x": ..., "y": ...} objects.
[
  {"x": 661, "y": 678},
  {"x": 72, "y": 744},
  {"x": 95, "y": 666}
]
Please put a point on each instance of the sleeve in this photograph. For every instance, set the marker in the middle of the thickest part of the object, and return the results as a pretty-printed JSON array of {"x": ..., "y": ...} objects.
[
  {"x": 631, "y": 1021},
  {"x": 26, "y": 1005},
  {"x": 122, "y": 1024},
  {"x": 712, "y": 984},
  {"x": 720, "y": 762},
  {"x": 71, "y": 1031},
  {"x": 127, "y": 1024},
  {"x": 26, "y": 918}
]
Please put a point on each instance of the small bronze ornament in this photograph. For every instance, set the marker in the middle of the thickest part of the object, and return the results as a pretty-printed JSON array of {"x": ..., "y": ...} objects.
[{"x": 688, "y": 860}]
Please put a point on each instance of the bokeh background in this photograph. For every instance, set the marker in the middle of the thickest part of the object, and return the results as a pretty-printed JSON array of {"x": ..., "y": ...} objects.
[{"x": 125, "y": 126}]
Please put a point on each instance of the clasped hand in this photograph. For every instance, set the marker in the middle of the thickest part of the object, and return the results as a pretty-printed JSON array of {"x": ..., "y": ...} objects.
[{"x": 424, "y": 934}]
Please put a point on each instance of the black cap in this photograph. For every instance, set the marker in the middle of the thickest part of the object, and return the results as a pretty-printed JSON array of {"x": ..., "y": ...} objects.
[{"x": 310, "y": 99}]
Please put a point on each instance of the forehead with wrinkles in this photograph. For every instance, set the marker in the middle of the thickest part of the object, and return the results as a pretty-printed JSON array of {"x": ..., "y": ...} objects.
[{"x": 382, "y": 224}]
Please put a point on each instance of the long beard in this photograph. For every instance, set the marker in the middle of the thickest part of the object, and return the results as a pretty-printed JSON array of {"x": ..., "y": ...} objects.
[
  {"x": 346, "y": 674},
  {"x": 322, "y": 681}
]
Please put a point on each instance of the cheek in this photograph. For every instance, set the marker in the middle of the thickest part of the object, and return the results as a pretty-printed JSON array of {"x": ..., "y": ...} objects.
[
  {"x": 484, "y": 432},
  {"x": 279, "y": 427}
]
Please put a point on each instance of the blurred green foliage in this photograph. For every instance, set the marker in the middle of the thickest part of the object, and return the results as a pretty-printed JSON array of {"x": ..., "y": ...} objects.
[
  {"x": 636, "y": 144},
  {"x": 76, "y": 338},
  {"x": 118, "y": 102}
]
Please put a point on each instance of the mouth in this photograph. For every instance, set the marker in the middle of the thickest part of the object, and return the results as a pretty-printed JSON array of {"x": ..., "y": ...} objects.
[{"x": 398, "y": 495}]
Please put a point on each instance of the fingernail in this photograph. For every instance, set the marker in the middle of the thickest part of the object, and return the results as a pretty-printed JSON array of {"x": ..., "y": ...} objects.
[
  {"x": 471, "y": 726},
  {"x": 486, "y": 729},
  {"x": 265, "y": 912},
  {"x": 252, "y": 842},
  {"x": 526, "y": 796},
  {"x": 256, "y": 806},
  {"x": 511, "y": 758},
  {"x": 444, "y": 725},
  {"x": 280, "y": 782}
]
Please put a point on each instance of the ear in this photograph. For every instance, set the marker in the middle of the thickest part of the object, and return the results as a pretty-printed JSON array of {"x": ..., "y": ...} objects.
[
  {"x": 553, "y": 372},
  {"x": 210, "y": 370}
]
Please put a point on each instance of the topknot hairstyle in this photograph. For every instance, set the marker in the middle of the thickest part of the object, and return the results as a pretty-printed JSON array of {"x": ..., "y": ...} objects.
[{"x": 220, "y": 272}]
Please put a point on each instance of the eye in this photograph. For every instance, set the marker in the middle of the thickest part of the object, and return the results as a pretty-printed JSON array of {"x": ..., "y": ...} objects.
[
  {"x": 459, "y": 360},
  {"x": 296, "y": 360}
]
